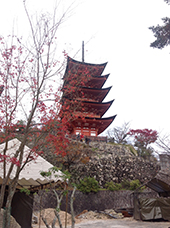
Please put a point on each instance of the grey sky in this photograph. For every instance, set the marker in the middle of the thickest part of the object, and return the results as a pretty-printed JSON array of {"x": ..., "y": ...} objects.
[{"x": 115, "y": 32}]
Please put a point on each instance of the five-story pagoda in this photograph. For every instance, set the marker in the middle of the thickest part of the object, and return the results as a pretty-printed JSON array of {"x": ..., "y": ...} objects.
[{"x": 83, "y": 97}]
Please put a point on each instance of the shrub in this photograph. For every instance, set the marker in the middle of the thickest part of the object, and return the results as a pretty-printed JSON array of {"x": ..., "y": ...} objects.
[
  {"x": 124, "y": 185},
  {"x": 113, "y": 186},
  {"x": 88, "y": 184},
  {"x": 134, "y": 184}
]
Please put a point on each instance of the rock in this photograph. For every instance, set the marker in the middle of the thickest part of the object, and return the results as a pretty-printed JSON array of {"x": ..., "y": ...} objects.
[
  {"x": 92, "y": 215},
  {"x": 49, "y": 215},
  {"x": 83, "y": 212},
  {"x": 34, "y": 219},
  {"x": 106, "y": 214},
  {"x": 13, "y": 223}
]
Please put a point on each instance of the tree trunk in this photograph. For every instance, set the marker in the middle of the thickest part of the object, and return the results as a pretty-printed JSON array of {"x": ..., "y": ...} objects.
[
  {"x": 7, "y": 213},
  {"x": 57, "y": 210},
  {"x": 2, "y": 194},
  {"x": 72, "y": 209},
  {"x": 58, "y": 217}
]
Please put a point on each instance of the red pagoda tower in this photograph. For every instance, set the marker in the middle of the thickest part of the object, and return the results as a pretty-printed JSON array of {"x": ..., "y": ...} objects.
[{"x": 84, "y": 95}]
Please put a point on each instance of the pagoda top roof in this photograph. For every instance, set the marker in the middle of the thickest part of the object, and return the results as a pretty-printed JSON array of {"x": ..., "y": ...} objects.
[{"x": 77, "y": 68}]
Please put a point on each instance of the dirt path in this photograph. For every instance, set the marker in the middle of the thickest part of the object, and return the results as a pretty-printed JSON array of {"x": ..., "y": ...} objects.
[
  {"x": 121, "y": 223},
  {"x": 116, "y": 223}
]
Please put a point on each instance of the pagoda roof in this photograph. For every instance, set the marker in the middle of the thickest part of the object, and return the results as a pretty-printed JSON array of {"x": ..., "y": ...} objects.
[
  {"x": 89, "y": 94},
  {"x": 98, "y": 108},
  {"x": 76, "y": 68},
  {"x": 95, "y": 93},
  {"x": 100, "y": 123},
  {"x": 97, "y": 81}
]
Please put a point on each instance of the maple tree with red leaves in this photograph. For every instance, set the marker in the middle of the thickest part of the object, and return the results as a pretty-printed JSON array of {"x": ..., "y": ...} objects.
[
  {"x": 29, "y": 91},
  {"x": 142, "y": 140}
]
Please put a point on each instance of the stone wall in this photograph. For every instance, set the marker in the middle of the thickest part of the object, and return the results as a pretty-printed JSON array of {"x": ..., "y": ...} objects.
[
  {"x": 106, "y": 162},
  {"x": 115, "y": 163}
]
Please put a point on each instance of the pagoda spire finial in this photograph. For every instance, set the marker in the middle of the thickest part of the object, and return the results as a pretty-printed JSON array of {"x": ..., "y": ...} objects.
[{"x": 83, "y": 51}]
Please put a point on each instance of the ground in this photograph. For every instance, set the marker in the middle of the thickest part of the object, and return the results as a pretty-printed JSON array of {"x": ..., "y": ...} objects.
[
  {"x": 91, "y": 221},
  {"x": 121, "y": 223},
  {"x": 117, "y": 223}
]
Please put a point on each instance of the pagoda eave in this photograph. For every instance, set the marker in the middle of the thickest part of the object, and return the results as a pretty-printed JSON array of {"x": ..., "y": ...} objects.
[
  {"x": 97, "y": 81},
  {"x": 99, "y": 107},
  {"x": 99, "y": 123},
  {"x": 99, "y": 93},
  {"x": 88, "y": 94}
]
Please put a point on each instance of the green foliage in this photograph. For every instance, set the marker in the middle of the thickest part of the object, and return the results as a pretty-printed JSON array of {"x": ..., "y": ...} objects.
[
  {"x": 124, "y": 185},
  {"x": 54, "y": 171},
  {"x": 45, "y": 174},
  {"x": 94, "y": 149},
  {"x": 134, "y": 184},
  {"x": 88, "y": 184},
  {"x": 113, "y": 186},
  {"x": 57, "y": 209},
  {"x": 25, "y": 190},
  {"x": 132, "y": 150}
]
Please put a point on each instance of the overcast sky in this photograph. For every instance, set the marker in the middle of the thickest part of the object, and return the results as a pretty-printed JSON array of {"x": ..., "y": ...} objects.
[{"x": 115, "y": 32}]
